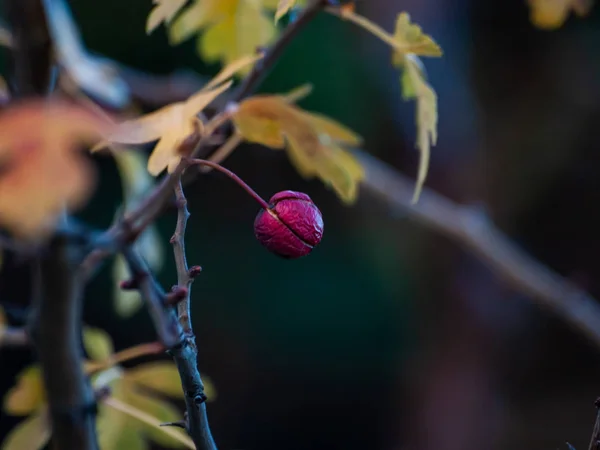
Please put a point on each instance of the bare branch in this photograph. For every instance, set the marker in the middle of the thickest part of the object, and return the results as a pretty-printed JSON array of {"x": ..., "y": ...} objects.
[
  {"x": 262, "y": 67},
  {"x": 55, "y": 330},
  {"x": 595, "y": 440},
  {"x": 181, "y": 346},
  {"x": 474, "y": 231},
  {"x": 183, "y": 274}
]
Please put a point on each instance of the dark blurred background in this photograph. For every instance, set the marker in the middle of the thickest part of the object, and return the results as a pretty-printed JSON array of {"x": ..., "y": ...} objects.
[{"x": 388, "y": 336}]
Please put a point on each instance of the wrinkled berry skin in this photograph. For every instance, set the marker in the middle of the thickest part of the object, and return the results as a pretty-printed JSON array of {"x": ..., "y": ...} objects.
[{"x": 291, "y": 227}]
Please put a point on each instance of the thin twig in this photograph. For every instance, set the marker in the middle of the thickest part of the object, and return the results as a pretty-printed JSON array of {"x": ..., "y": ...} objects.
[
  {"x": 181, "y": 347},
  {"x": 163, "y": 315},
  {"x": 474, "y": 231},
  {"x": 595, "y": 439},
  {"x": 183, "y": 273},
  {"x": 263, "y": 66},
  {"x": 55, "y": 330}
]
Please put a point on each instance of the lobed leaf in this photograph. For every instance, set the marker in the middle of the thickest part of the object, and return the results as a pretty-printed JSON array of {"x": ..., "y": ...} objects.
[
  {"x": 44, "y": 174},
  {"x": 229, "y": 29},
  {"x": 163, "y": 12},
  {"x": 426, "y": 117},
  {"x": 314, "y": 142}
]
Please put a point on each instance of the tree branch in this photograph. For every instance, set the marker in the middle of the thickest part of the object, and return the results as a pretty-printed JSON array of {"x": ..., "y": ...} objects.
[
  {"x": 262, "y": 67},
  {"x": 183, "y": 273},
  {"x": 474, "y": 231},
  {"x": 181, "y": 347},
  {"x": 55, "y": 329},
  {"x": 31, "y": 55},
  {"x": 595, "y": 439}
]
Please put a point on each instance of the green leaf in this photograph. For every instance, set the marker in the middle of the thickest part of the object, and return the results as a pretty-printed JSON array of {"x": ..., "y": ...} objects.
[
  {"x": 159, "y": 409},
  {"x": 28, "y": 395},
  {"x": 160, "y": 376},
  {"x": 31, "y": 434},
  {"x": 163, "y": 377},
  {"x": 97, "y": 343},
  {"x": 116, "y": 431}
]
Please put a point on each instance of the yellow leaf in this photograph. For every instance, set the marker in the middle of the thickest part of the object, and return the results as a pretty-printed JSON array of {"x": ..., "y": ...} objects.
[
  {"x": 163, "y": 377},
  {"x": 232, "y": 68},
  {"x": 411, "y": 39},
  {"x": 551, "y": 14},
  {"x": 426, "y": 119},
  {"x": 230, "y": 28},
  {"x": 407, "y": 38},
  {"x": 171, "y": 125},
  {"x": 31, "y": 434},
  {"x": 164, "y": 11},
  {"x": 299, "y": 93},
  {"x": 28, "y": 395},
  {"x": 314, "y": 142},
  {"x": 115, "y": 431},
  {"x": 283, "y": 8},
  {"x": 97, "y": 343},
  {"x": 159, "y": 409},
  {"x": 44, "y": 172}
]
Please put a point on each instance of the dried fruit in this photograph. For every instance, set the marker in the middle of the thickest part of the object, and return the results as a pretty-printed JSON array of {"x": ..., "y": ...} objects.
[{"x": 292, "y": 225}]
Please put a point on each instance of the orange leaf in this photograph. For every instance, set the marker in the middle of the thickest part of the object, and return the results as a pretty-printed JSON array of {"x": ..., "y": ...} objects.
[{"x": 42, "y": 172}]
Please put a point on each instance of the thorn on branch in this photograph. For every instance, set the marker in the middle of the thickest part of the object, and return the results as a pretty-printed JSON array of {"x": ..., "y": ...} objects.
[{"x": 179, "y": 424}]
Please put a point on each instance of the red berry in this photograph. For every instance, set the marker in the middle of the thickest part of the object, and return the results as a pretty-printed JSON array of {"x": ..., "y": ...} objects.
[{"x": 291, "y": 227}]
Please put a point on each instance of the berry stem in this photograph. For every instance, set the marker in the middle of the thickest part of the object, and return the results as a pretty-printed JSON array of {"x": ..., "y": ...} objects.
[{"x": 230, "y": 174}]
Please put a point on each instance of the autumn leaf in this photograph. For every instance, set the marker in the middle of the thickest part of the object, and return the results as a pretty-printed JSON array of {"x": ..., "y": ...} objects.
[
  {"x": 170, "y": 125},
  {"x": 163, "y": 377},
  {"x": 551, "y": 14},
  {"x": 163, "y": 12},
  {"x": 175, "y": 123},
  {"x": 138, "y": 393},
  {"x": 410, "y": 39},
  {"x": 32, "y": 433},
  {"x": 283, "y": 7},
  {"x": 407, "y": 43},
  {"x": 27, "y": 396},
  {"x": 43, "y": 172},
  {"x": 97, "y": 343},
  {"x": 227, "y": 29},
  {"x": 315, "y": 143},
  {"x": 415, "y": 87}
]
